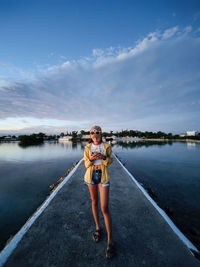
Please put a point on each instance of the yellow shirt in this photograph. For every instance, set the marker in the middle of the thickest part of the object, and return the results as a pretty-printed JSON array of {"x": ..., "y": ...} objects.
[{"x": 105, "y": 177}]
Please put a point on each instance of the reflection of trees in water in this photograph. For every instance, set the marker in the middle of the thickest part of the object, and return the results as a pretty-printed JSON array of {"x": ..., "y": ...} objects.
[
  {"x": 83, "y": 144},
  {"x": 22, "y": 145},
  {"x": 29, "y": 143},
  {"x": 74, "y": 144},
  {"x": 133, "y": 144},
  {"x": 125, "y": 144}
]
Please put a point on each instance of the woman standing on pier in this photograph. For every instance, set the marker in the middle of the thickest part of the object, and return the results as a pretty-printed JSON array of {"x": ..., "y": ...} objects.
[{"x": 97, "y": 158}]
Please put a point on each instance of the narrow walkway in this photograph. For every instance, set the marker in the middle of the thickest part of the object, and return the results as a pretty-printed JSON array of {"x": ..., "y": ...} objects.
[{"x": 62, "y": 234}]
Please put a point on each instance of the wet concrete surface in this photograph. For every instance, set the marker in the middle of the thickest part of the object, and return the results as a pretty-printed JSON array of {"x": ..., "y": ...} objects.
[{"x": 62, "y": 234}]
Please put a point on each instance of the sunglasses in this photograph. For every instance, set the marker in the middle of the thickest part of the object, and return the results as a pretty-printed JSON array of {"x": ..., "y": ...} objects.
[{"x": 95, "y": 132}]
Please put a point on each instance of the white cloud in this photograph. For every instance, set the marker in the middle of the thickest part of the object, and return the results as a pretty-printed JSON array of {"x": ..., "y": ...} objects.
[
  {"x": 169, "y": 32},
  {"x": 11, "y": 73},
  {"x": 31, "y": 124},
  {"x": 135, "y": 86},
  {"x": 97, "y": 52},
  {"x": 188, "y": 29},
  {"x": 119, "y": 54}
]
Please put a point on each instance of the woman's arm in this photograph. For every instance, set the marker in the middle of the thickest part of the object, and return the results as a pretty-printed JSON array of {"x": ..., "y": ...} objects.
[
  {"x": 88, "y": 160},
  {"x": 109, "y": 158}
]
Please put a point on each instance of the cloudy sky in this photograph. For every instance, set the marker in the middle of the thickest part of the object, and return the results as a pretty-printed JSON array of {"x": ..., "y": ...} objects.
[{"x": 69, "y": 65}]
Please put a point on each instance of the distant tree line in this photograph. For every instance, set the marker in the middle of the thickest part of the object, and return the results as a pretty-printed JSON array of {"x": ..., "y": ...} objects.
[
  {"x": 40, "y": 137},
  {"x": 32, "y": 139},
  {"x": 146, "y": 134}
]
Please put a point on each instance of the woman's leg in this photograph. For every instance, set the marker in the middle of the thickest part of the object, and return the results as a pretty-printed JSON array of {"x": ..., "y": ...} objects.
[
  {"x": 95, "y": 210},
  {"x": 104, "y": 196}
]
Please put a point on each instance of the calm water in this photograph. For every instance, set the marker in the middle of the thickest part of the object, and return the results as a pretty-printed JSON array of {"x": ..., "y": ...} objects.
[
  {"x": 25, "y": 177},
  {"x": 171, "y": 170}
]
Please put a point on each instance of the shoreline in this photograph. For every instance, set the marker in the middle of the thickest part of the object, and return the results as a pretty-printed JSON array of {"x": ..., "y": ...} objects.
[
  {"x": 176, "y": 140},
  {"x": 135, "y": 139},
  {"x": 52, "y": 188},
  {"x": 193, "y": 234},
  {"x": 12, "y": 242}
]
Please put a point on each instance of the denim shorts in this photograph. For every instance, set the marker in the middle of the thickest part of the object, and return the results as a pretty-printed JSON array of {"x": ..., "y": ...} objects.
[{"x": 96, "y": 179}]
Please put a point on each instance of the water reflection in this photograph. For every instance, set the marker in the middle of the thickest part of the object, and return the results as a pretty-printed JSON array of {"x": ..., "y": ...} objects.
[
  {"x": 25, "y": 177},
  {"x": 13, "y": 152},
  {"x": 191, "y": 144},
  {"x": 135, "y": 144},
  {"x": 171, "y": 171}
]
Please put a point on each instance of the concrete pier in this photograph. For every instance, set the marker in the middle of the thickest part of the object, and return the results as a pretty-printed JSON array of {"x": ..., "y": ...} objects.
[{"x": 60, "y": 232}]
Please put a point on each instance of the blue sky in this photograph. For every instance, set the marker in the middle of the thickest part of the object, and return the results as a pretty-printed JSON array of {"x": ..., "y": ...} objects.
[{"x": 67, "y": 65}]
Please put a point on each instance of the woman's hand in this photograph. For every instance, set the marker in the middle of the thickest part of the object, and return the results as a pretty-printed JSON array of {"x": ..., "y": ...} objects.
[
  {"x": 93, "y": 157},
  {"x": 100, "y": 156},
  {"x": 96, "y": 156}
]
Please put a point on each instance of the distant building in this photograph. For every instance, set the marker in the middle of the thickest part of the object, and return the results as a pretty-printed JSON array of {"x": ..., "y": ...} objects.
[
  {"x": 65, "y": 138},
  {"x": 85, "y": 137},
  {"x": 191, "y": 133},
  {"x": 7, "y": 137},
  {"x": 182, "y": 134}
]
